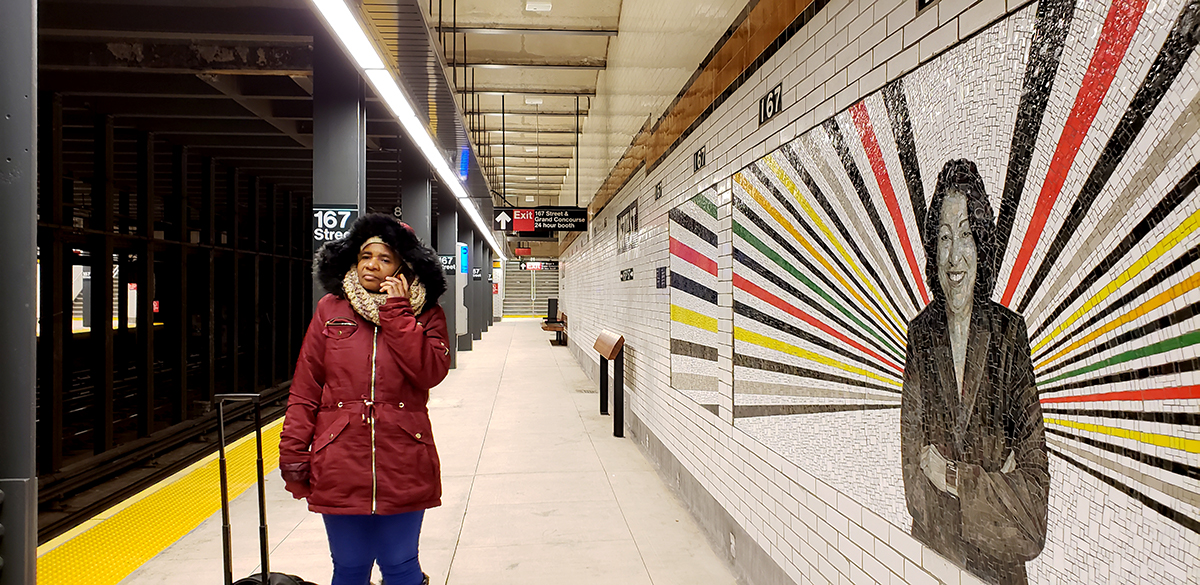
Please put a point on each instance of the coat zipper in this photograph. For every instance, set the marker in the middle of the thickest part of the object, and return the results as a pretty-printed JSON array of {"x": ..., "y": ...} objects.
[{"x": 374, "y": 480}]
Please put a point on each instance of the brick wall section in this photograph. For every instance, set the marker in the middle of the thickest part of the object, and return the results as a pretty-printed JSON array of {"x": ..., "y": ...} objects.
[{"x": 812, "y": 532}]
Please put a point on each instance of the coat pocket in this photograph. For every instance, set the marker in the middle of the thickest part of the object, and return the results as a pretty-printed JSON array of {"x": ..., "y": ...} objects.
[
  {"x": 339, "y": 328},
  {"x": 327, "y": 435},
  {"x": 416, "y": 428}
]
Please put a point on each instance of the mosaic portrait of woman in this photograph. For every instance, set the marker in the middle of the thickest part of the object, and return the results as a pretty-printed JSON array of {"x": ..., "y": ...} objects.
[{"x": 973, "y": 446}]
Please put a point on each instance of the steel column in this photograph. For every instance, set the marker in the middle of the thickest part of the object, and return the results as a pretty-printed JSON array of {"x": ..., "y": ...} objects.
[
  {"x": 256, "y": 280},
  {"x": 339, "y": 132},
  {"x": 145, "y": 315},
  {"x": 177, "y": 216},
  {"x": 101, "y": 300},
  {"x": 416, "y": 196},
  {"x": 18, "y": 239},
  {"x": 55, "y": 325},
  {"x": 208, "y": 317},
  {"x": 466, "y": 235},
  {"x": 271, "y": 283},
  {"x": 477, "y": 323},
  {"x": 447, "y": 245},
  {"x": 233, "y": 204}
]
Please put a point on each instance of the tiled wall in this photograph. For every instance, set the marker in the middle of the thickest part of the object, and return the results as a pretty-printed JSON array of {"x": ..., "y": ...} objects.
[{"x": 772, "y": 365}]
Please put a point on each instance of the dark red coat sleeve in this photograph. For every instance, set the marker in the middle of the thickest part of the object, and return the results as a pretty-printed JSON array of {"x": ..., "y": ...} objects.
[
  {"x": 305, "y": 399},
  {"x": 420, "y": 345}
]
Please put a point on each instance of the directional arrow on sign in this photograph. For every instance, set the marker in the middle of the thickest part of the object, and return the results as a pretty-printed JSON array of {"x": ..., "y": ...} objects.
[{"x": 503, "y": 220}]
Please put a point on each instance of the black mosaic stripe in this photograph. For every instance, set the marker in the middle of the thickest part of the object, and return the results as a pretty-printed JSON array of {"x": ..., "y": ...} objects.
[
  {"x": 713, "y": 408},
  {"x": 825, "y": 343},
  {"x": 892, "y": 328},
  {"x": 745, "y": 260},
  {"x": 750, "y": 410},
  {"x": 864, "y": 196},
  {"x": 686, "y": 222},
  {"x": 1175, "y": 467},
  {"x": 756, "y": 363},
  {"x": 691, "y": 287},
  {"x": 897, "y": 107},
  {"x": 1137, "y": 333},
  {"x": 1167, "y": 369},
  {"x": 1159, "y": 277},
  {"x": 1170, "y": 61},
  {"x": 1170, "y": 418},
  {"x": 689, "y": 349},
  {"x": 1176, "y": 196},
  {"x": 1170, "y": 513},
  {"x": 813, "y": 272},
  {"x": 1051, "y": 25},
  {"x": 790, "y": 153}
]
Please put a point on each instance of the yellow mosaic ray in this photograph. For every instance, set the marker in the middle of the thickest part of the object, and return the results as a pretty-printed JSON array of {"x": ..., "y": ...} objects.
[
  {"x": 690, "y": 317},
  {"x": 781, "y": 220},
  {"x": 831, "y": 237},
  {"x": 1180, "y": 443},
  {"x": 1177, "y": 235},
  {"x": 1159, "y": 300},
  {"x": 769, "y": 343}
]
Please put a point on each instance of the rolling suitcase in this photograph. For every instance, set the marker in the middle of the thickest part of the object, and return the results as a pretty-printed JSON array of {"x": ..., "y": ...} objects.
[{"x": 266, "y": 577}]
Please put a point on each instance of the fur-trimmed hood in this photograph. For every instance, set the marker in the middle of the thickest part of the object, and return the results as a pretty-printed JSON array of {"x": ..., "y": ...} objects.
[{"x": 337, "y": 257}]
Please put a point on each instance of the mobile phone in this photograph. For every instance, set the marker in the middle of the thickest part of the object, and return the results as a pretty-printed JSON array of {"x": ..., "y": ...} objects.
[{"x": 406, "y": 270}]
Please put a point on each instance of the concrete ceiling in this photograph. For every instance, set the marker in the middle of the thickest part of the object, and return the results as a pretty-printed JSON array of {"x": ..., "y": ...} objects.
[{"x": 622, "y": 61}]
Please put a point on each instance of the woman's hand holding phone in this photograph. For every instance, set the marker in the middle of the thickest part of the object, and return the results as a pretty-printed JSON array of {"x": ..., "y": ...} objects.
[{"x": 396, "y": 287}]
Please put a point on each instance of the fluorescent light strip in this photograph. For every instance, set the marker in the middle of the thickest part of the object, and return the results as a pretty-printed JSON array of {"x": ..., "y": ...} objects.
[
  {"x": 356, "y": 42},
  {"x": 350, "y": 33}
]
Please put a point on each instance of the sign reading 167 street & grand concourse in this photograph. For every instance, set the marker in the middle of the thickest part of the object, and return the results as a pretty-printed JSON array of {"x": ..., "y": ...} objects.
[{"x": 565, "y": 219}]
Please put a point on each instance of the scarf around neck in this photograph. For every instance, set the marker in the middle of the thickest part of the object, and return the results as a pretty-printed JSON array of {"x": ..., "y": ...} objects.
[{"x": 367, "y": 303}]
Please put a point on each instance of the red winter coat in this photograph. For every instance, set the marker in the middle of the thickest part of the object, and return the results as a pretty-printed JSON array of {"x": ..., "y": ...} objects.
[{"x": 357, "y": 413}]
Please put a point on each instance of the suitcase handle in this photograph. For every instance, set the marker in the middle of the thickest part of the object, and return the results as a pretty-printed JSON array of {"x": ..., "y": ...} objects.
[{"x": 226, "y": 530}]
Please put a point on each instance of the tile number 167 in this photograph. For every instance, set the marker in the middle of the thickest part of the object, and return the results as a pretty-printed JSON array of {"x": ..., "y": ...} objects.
[
  {"x": 770, "y": 104},
  {"x": 329, "y": 219}
]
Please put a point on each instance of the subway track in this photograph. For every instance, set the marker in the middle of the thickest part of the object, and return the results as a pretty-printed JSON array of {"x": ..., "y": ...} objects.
[{"x": 89, "y": 484}]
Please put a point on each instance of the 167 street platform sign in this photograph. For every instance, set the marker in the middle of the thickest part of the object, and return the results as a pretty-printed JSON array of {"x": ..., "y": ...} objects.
[{"x": 567, "y": 219}]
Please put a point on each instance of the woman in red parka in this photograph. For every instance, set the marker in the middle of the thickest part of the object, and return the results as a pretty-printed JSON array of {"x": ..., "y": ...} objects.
[{"x": 356, "y": 441}]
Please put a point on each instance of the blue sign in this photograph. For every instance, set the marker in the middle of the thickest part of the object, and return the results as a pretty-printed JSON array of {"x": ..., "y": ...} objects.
[
  {"x": 463, "y": 261},
  {"x": 464, "y": 163}
]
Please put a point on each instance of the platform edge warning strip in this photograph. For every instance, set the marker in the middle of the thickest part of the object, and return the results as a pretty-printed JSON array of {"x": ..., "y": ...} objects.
[{"x": 110, "y": 550}]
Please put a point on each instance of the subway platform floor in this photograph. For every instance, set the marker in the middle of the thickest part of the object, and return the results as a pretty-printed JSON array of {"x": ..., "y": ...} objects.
[{"x": 536, "y": 490}]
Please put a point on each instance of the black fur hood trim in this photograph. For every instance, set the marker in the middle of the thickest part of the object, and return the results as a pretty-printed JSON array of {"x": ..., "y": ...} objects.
[{"x": 337, "y": 257}]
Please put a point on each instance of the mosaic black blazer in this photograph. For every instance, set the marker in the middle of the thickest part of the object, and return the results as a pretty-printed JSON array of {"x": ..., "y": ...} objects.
[{"x": 998, "y": 522}]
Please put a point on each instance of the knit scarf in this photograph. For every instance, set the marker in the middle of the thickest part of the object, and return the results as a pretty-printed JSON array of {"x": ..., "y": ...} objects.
[{"x": 367, "y": 303}]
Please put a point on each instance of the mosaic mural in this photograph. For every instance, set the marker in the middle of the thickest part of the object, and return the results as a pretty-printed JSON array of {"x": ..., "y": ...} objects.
[
  {"x": 970, "y": 301},
  {"x": 693, "y": 244}
]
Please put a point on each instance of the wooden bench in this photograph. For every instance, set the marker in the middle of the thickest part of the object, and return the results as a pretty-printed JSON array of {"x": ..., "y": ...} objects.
[{"x": 559, "y": 328}]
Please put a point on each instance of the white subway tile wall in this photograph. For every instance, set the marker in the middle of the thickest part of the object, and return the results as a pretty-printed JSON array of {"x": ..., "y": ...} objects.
[{"x": 847, "y": 522}]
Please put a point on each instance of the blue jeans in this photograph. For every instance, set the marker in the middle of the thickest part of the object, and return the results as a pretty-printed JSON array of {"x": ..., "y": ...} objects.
[{"x": 357, "y": 542}]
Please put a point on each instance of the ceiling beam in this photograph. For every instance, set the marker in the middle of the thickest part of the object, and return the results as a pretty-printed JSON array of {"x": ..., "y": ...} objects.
[
  {"x": 517, "y": 30},
  {"x": 186, "y": 21},
  {"x": 584, "y": 64},
  {"x": 526, "y": 143},
  {"x": 259, "y": 59},
  {"x": 162, "y": 108},
  {"x": 231, "y": 86},
  {"x": 542, "y": 113},
  {"x": 565, "y": 92}
]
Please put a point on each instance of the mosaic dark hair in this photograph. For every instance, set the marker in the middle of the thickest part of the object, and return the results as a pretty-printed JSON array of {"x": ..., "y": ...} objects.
[
  {"x": 337, "y": 257},
  {"x": 962, "y": 175}
]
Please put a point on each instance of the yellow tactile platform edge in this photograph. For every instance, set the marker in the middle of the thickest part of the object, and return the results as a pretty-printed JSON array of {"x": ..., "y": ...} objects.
[{"x": 117, "y": 541}]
